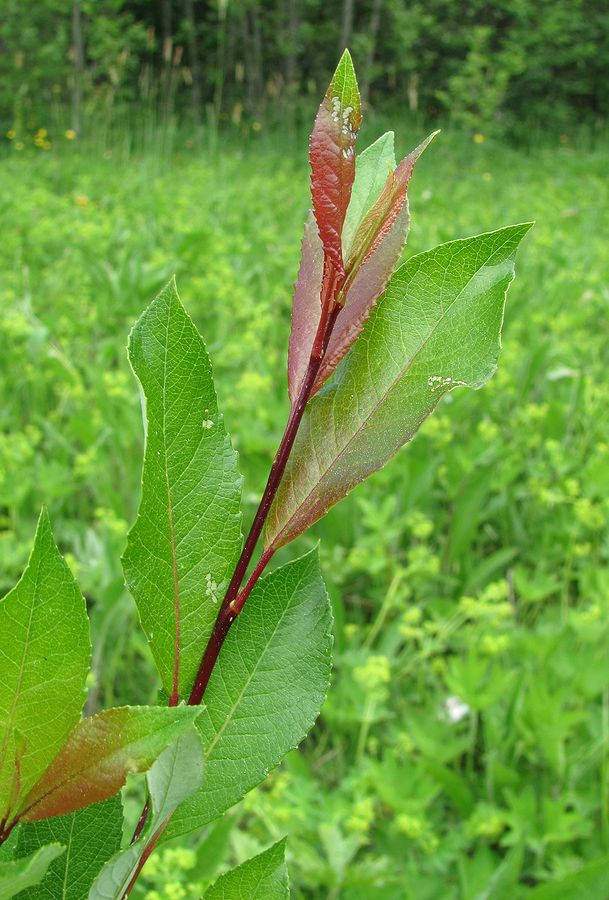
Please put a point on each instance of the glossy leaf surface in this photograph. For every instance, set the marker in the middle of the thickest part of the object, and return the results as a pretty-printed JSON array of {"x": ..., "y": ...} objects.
[
  {"x": 371, "y": 170},
  {"x": 188, "y": 533},
  {"x": 376, "y": 248},
  {"x": 372, "y": 166},
  {"x": 19, "y": 874},
  {"x": 306, "y": 306},
  {"x": 175, "y": 775},
  {"x": 44, "y": 660},
  {"x": 332, "y": 159},
  {"x": 266, "y": 690},
  {"x": 91, "y": 836},
  {"x": 264, "y": 877},
  {"x": 101, "y": 752},
  {"x": 437, "y": 326}
]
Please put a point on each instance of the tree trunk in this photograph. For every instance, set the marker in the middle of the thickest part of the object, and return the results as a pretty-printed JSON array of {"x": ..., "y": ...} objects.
[
  {"x": 195, "y": 69},
  {"x": 292, "y": 45},
  {"x": 346, "y": 26},
  {"x": 167, "y": 36},
  {"x": 253, "y": 58},
  {"x": 78, "y": 52},
  {"x": 375, "y": 20}
]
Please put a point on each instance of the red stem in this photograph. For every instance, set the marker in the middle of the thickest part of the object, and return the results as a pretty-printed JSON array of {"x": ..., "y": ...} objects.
[{"x": 234, "y": 600}]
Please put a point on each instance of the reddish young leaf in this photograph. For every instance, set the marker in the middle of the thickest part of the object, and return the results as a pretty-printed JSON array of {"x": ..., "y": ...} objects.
[
  {"x": 306, "y": 306},
  {"x": 376, "y": 248},
  {"x": 379, "y": 219},
  {"x": 368, "y": 285},
  {"x": 332, "y": 161},
  {"x": 100, "y": 753}
]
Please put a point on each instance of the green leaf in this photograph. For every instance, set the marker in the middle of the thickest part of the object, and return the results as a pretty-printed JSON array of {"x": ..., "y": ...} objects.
[
  {"x": 372, "y": 166},
  {"x": 266, "y": 689},
  {"x": 344, "y": 85},
  {"x": 436, "y": 327},
  {"x": 43, "y": 667},
  {"x": 591, "y": 881},
  {"x": 91, "y": 836},
  {"x": 100, "y": 753},
  {"x": 187, "y": 536},
  {"x": 20, "y": 874},
  {"x": 376, "y": 248},
  {"x": 504, "y": 881},
  {"x": 264, "y": 877},
  {"x": 176, "y": 774}
]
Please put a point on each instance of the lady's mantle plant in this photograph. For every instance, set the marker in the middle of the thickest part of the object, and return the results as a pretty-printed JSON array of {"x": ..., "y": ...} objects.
[{"x": 244, "y": 662}]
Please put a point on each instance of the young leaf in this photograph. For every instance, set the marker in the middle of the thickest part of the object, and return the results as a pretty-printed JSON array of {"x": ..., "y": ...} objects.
[
  {"x": 371, "y": 169},
  {"x": 91, "y": 836},
  {"x": 43, "y": 667},
  {"x": 437, "y": 326},
  {"x": 264, "y": 877},
  {"x": 100, "y": 753},
  {"x": 384, "y": 211},
  {"x": 306, "y": 306},
  {"x": 332, "y": 159},
  {"x": 266, "y": 689},
  {"x": 372, "y": 166},
  {"x": 20, "y": 874},
  {"x": 376, "y": 249},
  {"x": 188, "y": 534},
  {"x": 176, "y": 774}
]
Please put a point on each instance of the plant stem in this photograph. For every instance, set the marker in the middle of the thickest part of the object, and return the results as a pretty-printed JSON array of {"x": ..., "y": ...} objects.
[
  {"x": 144, "y": 857},
  {"x": 233, "y": 601}
]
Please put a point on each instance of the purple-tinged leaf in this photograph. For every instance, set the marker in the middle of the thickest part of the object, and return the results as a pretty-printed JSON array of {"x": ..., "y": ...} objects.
[
  {"x": 437, "y": 326},
  {"x": 44, "y": 659},
  {"x": 332, "y": 161},
  {"x": 376, "y": 248},
  {"x": 368, "y": 285},
  {"x": 380, "y": 218},
  {"x": 372, "y": 166},
  {"x": 306, "y": 306},
  {"x": 100, "y": 753}
]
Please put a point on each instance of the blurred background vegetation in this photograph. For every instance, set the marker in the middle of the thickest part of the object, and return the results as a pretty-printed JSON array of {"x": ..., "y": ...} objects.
[
  {"x": 508, "y": 65},
  {"x": 463, "y": 752}
]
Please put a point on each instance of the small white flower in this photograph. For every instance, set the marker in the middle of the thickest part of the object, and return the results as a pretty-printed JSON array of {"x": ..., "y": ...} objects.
[{"x": 455, "y": 709}]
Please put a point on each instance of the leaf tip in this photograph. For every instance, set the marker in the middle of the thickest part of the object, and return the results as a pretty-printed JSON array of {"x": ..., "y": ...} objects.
[{"x": 344, "y": 87}]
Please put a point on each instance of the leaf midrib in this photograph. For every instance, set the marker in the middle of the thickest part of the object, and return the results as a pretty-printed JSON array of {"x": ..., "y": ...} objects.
[
  {"x": 92, "y": 766},
  {"x": 382, "y": 400},
  {"x": 172, "y": 542},
  {"x": 21, "y": 675},
  {"x": 228, "y": 719}
]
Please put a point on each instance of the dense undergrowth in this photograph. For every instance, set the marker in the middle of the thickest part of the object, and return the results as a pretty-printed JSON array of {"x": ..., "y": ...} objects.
[{"x": 467, "y": 731}]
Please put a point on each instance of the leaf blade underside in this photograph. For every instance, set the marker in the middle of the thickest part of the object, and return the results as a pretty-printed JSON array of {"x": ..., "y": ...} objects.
[
  {"x": 174, "y": 776},
  {"x": 20, "y": 874}
]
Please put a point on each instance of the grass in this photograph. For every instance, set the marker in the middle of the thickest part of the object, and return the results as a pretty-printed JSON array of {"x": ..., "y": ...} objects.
[{"x": 470, "y": 578}]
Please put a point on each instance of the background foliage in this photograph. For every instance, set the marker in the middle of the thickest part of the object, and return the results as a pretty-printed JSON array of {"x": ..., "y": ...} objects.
[
  {"x": 511, "y": 65},
  {"x": 465, "y": 741}
]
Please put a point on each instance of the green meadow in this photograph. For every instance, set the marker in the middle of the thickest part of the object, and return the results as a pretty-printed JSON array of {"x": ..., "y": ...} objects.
[{"x": 463, "y": 751}]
